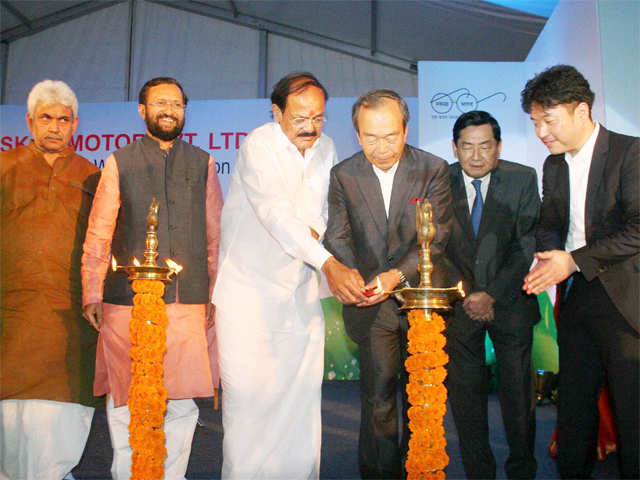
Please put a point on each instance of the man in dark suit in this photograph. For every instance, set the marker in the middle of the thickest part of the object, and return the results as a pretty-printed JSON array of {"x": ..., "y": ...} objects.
[
  {"x": 495, "y": 209},
  {"x": 372, "y": 228},
  {"x": 588, "y": 238}
]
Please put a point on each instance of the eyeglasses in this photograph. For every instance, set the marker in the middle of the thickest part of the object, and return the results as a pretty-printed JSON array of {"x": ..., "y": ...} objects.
[
  {"x": 315, "y": 121},
  {"x": 165, "y": 104}
]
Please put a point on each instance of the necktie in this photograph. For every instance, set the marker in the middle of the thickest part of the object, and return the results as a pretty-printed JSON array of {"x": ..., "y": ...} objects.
[{"x": 476, "y": 210}]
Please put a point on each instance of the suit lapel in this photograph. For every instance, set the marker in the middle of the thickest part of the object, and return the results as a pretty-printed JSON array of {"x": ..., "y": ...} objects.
[
  {"x": 596, "y": 171},
  {"x": 460, "y": 203},
  {"x": 495, "y": 192},
  {"x": 403, "y": 183},
  {"x": 369, "y": 186}
]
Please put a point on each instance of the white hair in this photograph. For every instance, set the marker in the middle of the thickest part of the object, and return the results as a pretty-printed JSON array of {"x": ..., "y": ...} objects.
[{"x": 48, "y": 92}]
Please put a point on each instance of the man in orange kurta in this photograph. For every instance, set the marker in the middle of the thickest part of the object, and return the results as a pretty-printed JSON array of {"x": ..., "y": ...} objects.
[{"x": 47, "y": 349}]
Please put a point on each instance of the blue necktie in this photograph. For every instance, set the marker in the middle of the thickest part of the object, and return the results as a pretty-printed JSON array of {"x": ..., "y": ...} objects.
[{"x": 476, "y": 210}]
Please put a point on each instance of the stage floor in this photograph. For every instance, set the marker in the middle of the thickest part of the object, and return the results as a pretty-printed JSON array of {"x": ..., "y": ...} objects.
[{"x": 340, "y": 423}]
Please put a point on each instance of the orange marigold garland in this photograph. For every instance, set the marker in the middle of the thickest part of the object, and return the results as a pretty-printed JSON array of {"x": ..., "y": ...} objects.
[
  {"x": 147, "y": 395},
  {"x": 427, "y": 457}
]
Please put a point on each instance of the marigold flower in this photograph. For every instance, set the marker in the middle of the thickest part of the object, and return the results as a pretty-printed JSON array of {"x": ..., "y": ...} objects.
[
  {"x": 147, "y": 395},
  {"x": 426, "y": 457}
]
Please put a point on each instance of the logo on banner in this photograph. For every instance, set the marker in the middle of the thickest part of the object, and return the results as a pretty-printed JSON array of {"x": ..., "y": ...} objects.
[{"x": 464, "y": 101}]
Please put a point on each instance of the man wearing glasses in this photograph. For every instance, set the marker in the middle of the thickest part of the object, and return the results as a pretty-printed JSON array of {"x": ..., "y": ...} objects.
[
  {"x": 269, "y": 319},
  {"x": 183, "y": 180}
]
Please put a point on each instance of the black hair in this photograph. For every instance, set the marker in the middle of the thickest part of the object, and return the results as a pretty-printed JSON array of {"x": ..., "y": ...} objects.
[
  {"x": 142, "y": 96},
  {"x": 294, "y": 83},
  {"x": 557, "y": 85},
  {"x": 475, "y": 118}
]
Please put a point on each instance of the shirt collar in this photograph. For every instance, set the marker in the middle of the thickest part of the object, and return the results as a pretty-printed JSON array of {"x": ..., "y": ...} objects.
[
  {"x": 383, "y": 173},
  {"x": 586, "y": 152},
  {"x": 64, "y": 156},
  {"x": 151, "y": 143},
  {"x": 468, "y": 179}
]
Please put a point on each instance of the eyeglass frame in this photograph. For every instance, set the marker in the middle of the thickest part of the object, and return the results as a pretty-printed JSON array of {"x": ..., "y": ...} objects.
[
  {"x": 165, "y": 104},
  {"x": 315, "y": 121}
]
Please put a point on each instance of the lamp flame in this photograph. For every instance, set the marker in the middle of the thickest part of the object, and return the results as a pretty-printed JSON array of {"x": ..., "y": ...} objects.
[
  {"x": 460, "y": 289},
  {"x": 136, "y": 262},
  {"x": 379, "y": 285},
  {"x": 114, "y": 263},
  {"x": 173, "y": 266}
]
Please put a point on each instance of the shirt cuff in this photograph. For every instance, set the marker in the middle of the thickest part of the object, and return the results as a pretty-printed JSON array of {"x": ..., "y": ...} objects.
[{"x": 319, "y": 256}]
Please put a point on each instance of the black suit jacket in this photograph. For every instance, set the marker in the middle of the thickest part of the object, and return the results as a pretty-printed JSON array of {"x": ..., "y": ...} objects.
[
  {"x": 612, "y": 218},
  {"x": 497, "y": 261},
  {"x": 360, "y": 235}
]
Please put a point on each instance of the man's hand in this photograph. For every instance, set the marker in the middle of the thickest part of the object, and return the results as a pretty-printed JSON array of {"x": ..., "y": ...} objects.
[
  {"x": 345, "y": 283},
  {"x": 479, "y": 306},
  {"x": 553, "y": 267},
  {"x": 92, "y": 312},
  {"x": 211, "y": 315},
  {"x": 387, "y": 282}
]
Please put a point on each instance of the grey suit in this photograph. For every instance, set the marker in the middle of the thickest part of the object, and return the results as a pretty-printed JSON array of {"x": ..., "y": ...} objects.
[
  {"x": 360, "y": 236},
  {"x": 599, "y": 324},
  {"x": 495, "y": 262}
]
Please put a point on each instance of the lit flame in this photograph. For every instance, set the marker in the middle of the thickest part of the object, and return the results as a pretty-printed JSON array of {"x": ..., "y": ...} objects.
[
  {"x": 379, "y": 287},
  {"x": 173, "y": 266},
  {"x": 136, "y": 262},
  {"x": 460, "y": 289},
  {"x": 114, "y": 263}
]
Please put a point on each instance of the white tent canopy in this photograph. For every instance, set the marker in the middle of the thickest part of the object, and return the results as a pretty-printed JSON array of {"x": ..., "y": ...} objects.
[{"x": 106, "y": 50}]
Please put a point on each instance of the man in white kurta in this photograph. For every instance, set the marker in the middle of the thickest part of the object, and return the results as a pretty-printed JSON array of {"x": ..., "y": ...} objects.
[{"x": 269, "y": 319}]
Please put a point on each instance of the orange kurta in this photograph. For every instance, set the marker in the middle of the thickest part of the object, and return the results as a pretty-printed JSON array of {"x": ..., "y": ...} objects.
[{"x": 47, "y": 348}]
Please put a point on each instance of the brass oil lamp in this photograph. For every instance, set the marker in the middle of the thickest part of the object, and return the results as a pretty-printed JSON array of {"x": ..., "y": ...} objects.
[
  {"x": 149, "y": 270},
  {"x": 424, "y": 296}
]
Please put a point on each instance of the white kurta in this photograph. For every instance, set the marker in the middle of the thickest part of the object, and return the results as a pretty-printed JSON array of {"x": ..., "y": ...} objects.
[{"x": 268, "y": 316}]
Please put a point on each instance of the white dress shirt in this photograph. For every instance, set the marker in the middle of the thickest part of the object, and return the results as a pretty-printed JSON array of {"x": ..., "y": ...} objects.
[
  {"x": 386, "y": 183},
  {"x": 579, "y": 166}
]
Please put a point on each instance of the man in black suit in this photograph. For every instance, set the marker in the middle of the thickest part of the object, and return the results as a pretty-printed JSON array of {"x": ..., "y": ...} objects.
[
  {"x": 372, "y": 228},
  {"x": 588, "y": 238},
  {"x": 495, "y": 209}
]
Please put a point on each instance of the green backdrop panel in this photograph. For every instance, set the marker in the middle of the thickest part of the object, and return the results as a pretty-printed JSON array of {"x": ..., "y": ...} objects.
[{"x": 341, "y": 357}]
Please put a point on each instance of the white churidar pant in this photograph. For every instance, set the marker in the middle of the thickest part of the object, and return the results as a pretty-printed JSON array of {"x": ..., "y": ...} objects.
[
  {"x": 41, "y": 439},
  {"x": 179, "y": 425}
]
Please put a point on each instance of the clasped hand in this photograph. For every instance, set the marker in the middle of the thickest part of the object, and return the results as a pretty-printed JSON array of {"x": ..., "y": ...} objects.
[{"x": 479, "y": 306}]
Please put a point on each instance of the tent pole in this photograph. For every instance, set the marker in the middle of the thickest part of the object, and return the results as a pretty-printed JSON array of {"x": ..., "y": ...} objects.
[
  {"x": 132, "y": 10},
  {"x": 263, "y": 40},
  {"x": 5, "y": 65}
]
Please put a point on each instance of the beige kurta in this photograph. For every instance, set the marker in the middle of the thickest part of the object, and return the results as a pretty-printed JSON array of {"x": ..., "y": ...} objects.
[{"x": 47, "y": 349}]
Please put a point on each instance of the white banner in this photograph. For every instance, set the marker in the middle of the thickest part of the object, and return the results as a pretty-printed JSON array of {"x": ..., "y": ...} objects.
[{"x": 446, "y": 90}]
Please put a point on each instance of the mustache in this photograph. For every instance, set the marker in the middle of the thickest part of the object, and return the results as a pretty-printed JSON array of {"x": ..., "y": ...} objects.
[
  {"x": 55, "y": 136},
  {"x": 312, "y": 133},
  {"x": 160, "y": 117}
]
